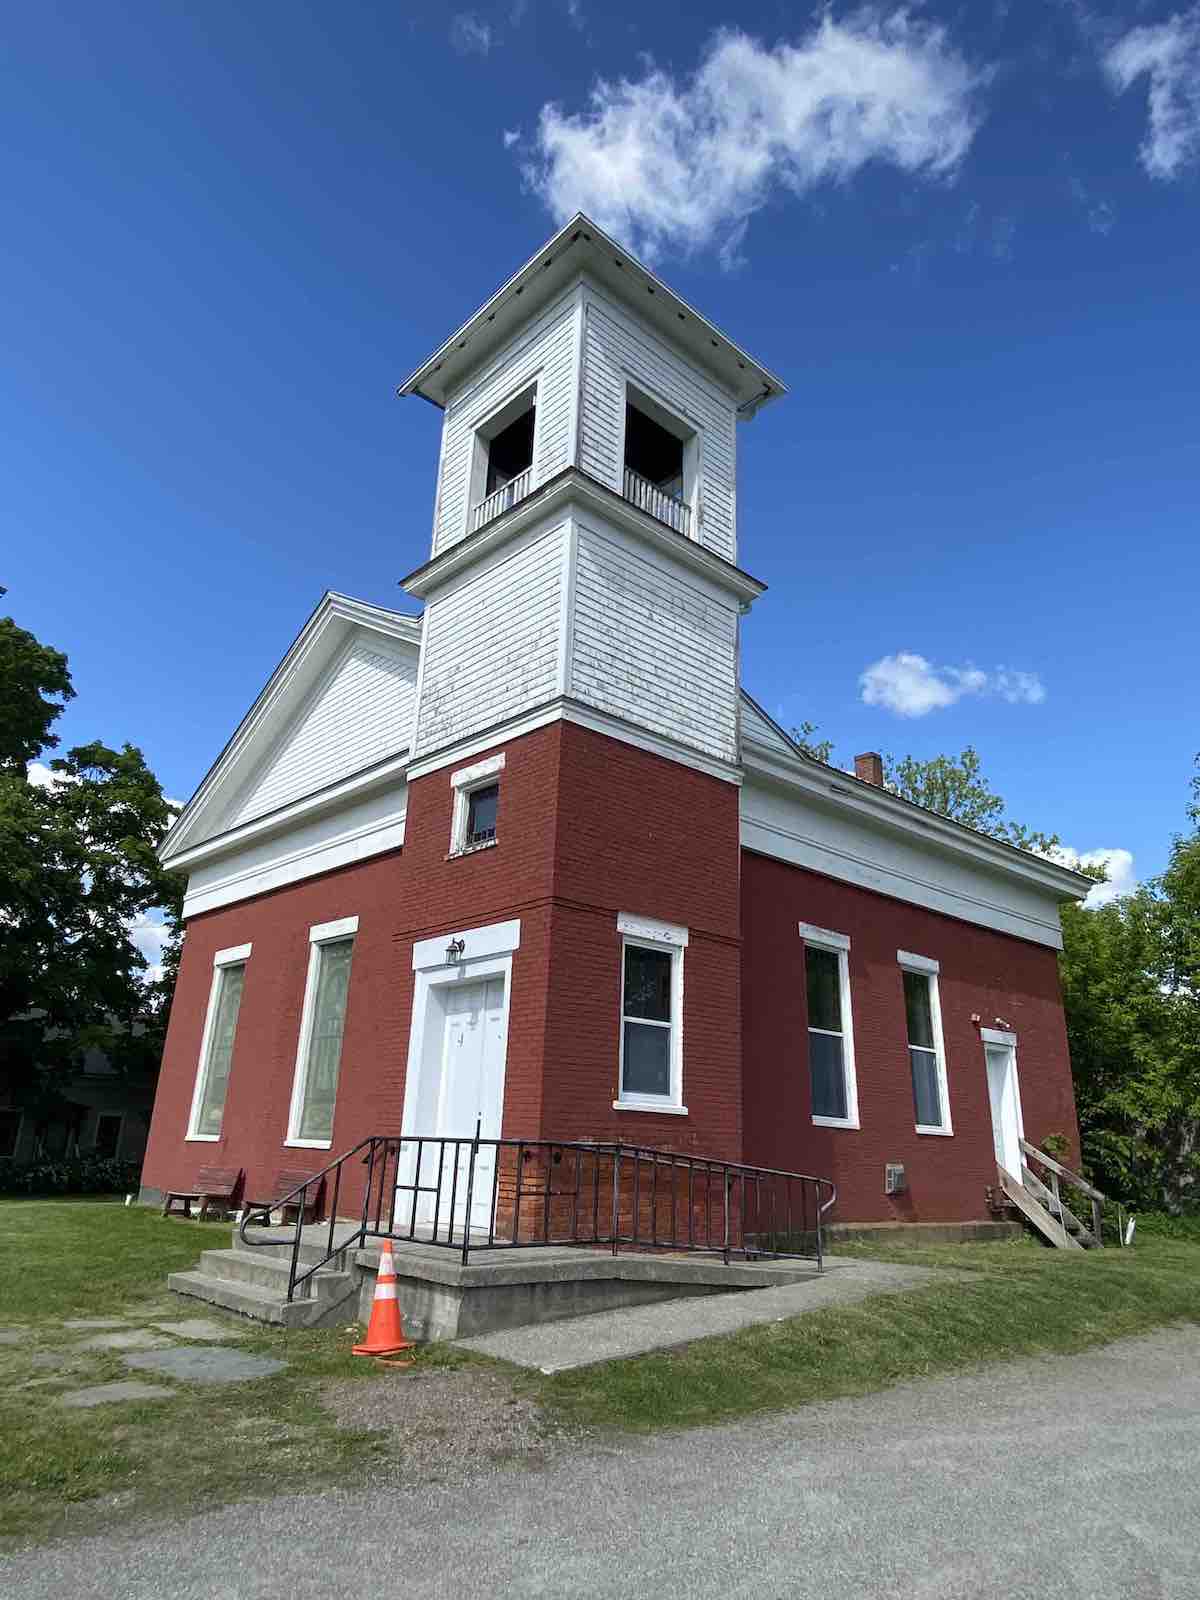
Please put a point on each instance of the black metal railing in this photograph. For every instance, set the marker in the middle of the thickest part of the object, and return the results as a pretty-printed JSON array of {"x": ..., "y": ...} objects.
[{"x": 470, "y": 1194}]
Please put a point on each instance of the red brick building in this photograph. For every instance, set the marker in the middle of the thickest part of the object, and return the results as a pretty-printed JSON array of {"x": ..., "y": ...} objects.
[{"x": 534, "y": 858}]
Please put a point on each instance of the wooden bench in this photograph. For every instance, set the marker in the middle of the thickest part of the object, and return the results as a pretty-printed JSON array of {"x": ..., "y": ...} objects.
[
  {"x": 212, "y": 1184},
  {"x": 285, "y": 1180}
]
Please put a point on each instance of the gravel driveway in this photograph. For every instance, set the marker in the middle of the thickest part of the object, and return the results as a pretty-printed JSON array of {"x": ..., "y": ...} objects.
[{"x": 1063, "y": 1477}]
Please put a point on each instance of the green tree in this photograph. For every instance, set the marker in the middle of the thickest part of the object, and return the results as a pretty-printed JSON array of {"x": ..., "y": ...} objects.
[
  {"x": 1131, "y": 987},
  {"x": 78, "y": 868},
  {"x": 954, "y": 786},
  {"x": 818, "y": 749}
]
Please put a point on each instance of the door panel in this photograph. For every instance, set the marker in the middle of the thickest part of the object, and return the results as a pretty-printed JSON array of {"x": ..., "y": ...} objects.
[{"x": 1006, "y": 1108}]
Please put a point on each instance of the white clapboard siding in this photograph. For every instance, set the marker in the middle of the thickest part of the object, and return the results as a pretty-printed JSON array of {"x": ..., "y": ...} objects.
[
  {"x": 547, "y": 352},
  {"x": 618, "y": 350},
  {"x": 359, "y": 712},
  {"x": 757, "y": 727},
  {"x": 651, "y": 648},
  {"x": 491, "y": 644}
]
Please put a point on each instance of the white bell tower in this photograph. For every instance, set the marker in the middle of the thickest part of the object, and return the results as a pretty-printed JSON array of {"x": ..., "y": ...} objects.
[{"x": 584, "y": 552}]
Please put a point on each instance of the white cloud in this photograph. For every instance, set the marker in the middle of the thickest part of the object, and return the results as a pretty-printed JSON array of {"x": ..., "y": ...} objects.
[
  {"x": 575, "y": 14},
  {"x": 511, "y": 137},
  {"x": 41, "y": 777},
  {"x": 659, "y": 160},
  {"x": 911, "y": 686},
  {"x": 1168, "y": 54},
  {"x": 470, "y": 34},
  {"x": 1117, "y": 863},
  {"x": 149, "y": 934}
]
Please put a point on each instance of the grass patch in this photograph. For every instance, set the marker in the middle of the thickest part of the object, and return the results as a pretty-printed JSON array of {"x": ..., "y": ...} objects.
[
  {"x": 1019, "y": 1299},
  {"x": 63, "y": 1470}
]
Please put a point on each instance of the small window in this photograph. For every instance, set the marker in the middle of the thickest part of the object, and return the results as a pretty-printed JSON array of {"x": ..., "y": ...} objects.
[
  {"x": 502, "y": 463},
  {"x": 225, "y": 1003},
  {"x": 476, "y": 812},
  {"x": 651, "y": 1070},
  {"x": 321, "y": 1032},
  {"x": 930, "y": 1099},
  {"x": 481, "y": 814},
  {"x": 830, "y": 1037},
  {"x": 108, "y": 1133}
]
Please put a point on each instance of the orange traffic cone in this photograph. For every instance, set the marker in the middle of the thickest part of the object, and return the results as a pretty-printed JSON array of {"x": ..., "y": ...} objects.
[{"x": 385, "y": 1331}]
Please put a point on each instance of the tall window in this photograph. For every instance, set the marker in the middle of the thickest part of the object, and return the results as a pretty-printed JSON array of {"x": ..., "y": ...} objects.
[
  {"x": 651, "y": 1014},
  {"x": 830, "y": 1036},
  {"x": 322, "y": 1026},
  {"x": 661, "y": 457},
  {"x": 502, "y": 458},
  {"x": 931, "y": 1103},
  {"x": 10, "y": 1131},
  {"x": 216, "y": 1055}
]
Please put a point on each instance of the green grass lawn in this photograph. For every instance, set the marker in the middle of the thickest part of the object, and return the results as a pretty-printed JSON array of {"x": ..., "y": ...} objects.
[
  {"x": 64, "y": 1471},
  {"x": 1019, "y": 1299}
]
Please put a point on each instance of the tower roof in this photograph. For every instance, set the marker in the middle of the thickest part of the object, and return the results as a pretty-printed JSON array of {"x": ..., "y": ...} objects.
[{"x": 582, "y": 246}]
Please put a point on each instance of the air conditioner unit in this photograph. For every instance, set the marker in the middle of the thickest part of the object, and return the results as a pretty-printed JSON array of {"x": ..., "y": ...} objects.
[{"x": 894, "y": 1180}]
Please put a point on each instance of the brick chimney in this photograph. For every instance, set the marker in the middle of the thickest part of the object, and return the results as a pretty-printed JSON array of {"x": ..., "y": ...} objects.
[{"x": 868, "y": 768}]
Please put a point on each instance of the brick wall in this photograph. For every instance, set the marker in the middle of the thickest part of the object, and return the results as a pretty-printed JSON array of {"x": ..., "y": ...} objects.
[{"x": 982, "y": 972}]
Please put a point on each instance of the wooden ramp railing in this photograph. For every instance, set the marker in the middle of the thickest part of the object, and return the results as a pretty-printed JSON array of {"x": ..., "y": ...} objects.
[{"x": 1042, "y": 1205}]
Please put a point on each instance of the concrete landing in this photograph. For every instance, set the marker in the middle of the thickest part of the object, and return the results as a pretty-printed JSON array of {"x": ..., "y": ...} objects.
[{"x": 611, "y": 1335}]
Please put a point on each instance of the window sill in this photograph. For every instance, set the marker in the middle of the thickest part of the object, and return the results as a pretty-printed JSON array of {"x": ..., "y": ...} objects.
[
  {"x": 202, "y": 1138},
  {"x": 663, "y": 1108},
  {"x": 308, "y": 1144},
  {"x": 937, "y": 1133},
  {"x": 471, "y": 849},
  {"x": 836, "y": 1122}
]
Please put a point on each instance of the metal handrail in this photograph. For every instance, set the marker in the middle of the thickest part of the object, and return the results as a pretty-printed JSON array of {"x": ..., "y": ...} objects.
[{"x": 560, "y": 1192}]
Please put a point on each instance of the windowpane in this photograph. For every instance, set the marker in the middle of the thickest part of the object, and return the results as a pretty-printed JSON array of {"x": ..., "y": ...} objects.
[
  {"x": 220, "y": 1048},
  {"x": 482, "y": 805},
  {"x": 647, "y": 1068},
  {"x": 826, "y": 1064},
  {"x": 325, "y": 1040},
  {"x": 918, "y": 1010},
  {"x": 824, "y": 989},
  {"x": 927, "y": 1098},
  {"x": 647, "y": 983}
]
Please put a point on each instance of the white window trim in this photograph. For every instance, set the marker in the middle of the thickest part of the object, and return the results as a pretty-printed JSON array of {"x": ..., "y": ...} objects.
[
  {"x": 839, "y": 945},
  {"x": 686, "y": 430},
  {"x": 647, "y": 933},
  {"x": 322, "y": 933},
  {"x": 998, "y": 1036},
  {"x": 465, "y": 782},
  {"x": 477, "y": 471},
  {"x": 234, "y": 956},
  {"x": 926, "y": 967}
]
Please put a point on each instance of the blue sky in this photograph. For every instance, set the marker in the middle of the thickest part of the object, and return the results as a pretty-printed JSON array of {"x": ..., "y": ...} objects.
[{"x": 968, "y": 239}]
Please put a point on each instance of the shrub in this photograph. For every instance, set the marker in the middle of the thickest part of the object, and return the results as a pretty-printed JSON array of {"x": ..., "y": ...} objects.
[{"x": 79, "y": 1174}]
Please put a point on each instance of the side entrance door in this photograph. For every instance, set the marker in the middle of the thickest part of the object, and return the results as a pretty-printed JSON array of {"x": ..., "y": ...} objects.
[
  {"x": 1005, "y": 1098},
  {"x": 470, "y": 1087}
]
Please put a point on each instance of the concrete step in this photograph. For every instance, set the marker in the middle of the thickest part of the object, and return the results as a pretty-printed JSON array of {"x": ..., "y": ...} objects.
[
  {"x": 269, "y": 1305},
  {"x": 270, "y": 1273},
  {"x": 280, "y": 1249}
]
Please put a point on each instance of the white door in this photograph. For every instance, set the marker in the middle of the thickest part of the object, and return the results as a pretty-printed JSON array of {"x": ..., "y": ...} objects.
[
  {"x": 1006, "y": 1106},
  {"x": 469, "y": 1091}
]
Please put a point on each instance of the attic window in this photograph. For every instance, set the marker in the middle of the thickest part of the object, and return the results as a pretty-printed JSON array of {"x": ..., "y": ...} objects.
[
  {"x": 502, "y": 469},
  {"x": 659, "y": 462}
]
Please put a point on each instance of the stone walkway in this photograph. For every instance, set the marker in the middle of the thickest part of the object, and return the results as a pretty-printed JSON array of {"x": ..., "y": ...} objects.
[
  {"x": 189, "y": 1349},
  {"x": 611, "y": 1335}
]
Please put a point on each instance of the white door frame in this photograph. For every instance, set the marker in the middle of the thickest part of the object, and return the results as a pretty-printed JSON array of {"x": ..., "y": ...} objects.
[
  {"x": 994, "y": 1040},
  {"x": 466, "y": 956}
]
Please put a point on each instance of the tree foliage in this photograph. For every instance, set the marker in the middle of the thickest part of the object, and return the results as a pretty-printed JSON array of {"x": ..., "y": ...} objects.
[
  {"x": 955, "y": 787},
  {"x": 78, "y": 868},
  {"x": 1131, "y": 986}
]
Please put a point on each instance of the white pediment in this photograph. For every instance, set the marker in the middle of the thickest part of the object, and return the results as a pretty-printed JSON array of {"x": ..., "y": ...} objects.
[
  {"x": 360, "y": 711},
  {"x": 758, "y": 727},
  {"x": 337, "y": 711}
]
